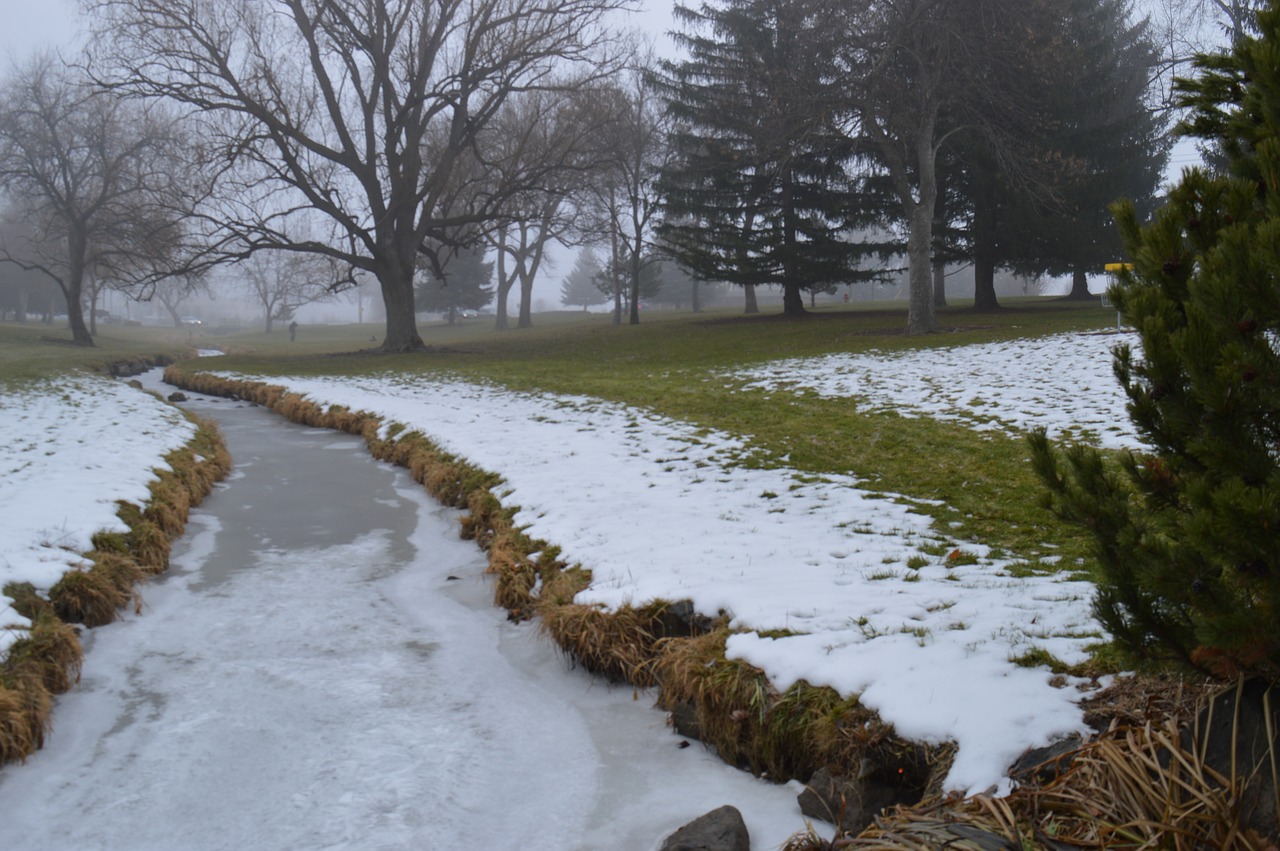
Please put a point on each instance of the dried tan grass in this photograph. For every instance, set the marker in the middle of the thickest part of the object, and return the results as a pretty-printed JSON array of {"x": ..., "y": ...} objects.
[
  {"x": 82, "y": 596},
  {"x": 25, "y": 708},
  {"x": 514, "y": 579},
  {"x": 1136, "y": 787},
  {"x": 124, "y": 574},
  {"x": 50, "y": 654},
  {"x": 1140, "y": 788},
  {"x": 617, "y": 645},
  {"x": 26, "y": 600}
]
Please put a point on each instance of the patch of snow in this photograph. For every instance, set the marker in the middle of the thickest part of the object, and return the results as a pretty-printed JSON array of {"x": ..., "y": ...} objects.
[
  {"x": 74, "y": 446},
  {"x": 1062, "y": 382}
]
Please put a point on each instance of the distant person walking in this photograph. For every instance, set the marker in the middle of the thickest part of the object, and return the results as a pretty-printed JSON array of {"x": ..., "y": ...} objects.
[{"x": 293, "y": 331}]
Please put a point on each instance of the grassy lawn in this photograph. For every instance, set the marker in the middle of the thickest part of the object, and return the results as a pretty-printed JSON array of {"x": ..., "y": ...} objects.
[
  {"x": 667, "y": 364},
  {"x": 32, "y": 351}
]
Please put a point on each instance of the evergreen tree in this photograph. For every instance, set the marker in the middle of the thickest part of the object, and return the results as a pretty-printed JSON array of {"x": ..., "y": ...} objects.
[
  {"x": 1110, "y": 142},
  {"x": 1186, "y": 531},
  {"x": 579, "y": 288},
  {"x": 614, "y": 280},
  {"x": 465, "y": 285},
  {"x": 756, "y": 192}
]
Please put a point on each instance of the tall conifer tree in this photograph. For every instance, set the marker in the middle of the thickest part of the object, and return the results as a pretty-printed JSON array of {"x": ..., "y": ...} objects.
[
  {"x": 1186, "y": 531},
  {"x": 757, "y": 192}
]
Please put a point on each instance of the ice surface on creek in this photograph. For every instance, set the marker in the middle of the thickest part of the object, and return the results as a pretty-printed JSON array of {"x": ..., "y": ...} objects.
[
  {"x": 660, "y": 509},
  {"x": 353, "y": 697}
]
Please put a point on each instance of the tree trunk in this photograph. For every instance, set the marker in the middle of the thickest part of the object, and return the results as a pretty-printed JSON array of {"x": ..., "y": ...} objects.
[
  {"x": 20, "y": 315},
  {"x": 634, "y": 318},
  {"x": 615, "y": 258},
  {"x": 1079, "y": 285},
  {"x": 695, "y": 298},
  {"x": 752, "y": 307},
  {"x": 792, "y": 298},
  {"x": 500, "y": 323},
  {"x": 528, "y": 268},
  {"x": 939, "y": 246},
  {"x": 920, "y": 274},
  {"x": 73, "y": 289},
  {"x": 93, "y": 309},
  {"x": 920, "y": 239},
  {"x": 984, "y": 249},
  {"x": 505, "y": 282},
  {"x": 526, "y": 300},
  {"x": 396, "y": 281}
]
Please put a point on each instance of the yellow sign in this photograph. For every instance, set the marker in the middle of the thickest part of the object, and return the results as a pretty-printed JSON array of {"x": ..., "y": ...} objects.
[{"x": 1116, "y": 267}]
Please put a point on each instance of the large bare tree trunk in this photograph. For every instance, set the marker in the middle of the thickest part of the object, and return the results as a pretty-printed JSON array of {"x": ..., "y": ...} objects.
[
  {"x": 752, "y": 307},
  {"x": 1079, "y": 285},
  {"x": 73, "y": 289},
  {"x": 395, "y": 278}
]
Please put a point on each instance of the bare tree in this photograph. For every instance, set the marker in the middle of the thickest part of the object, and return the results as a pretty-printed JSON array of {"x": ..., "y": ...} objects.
[
  {"x": 1184, "y": 28},
  {"x": 543, "y": 150},
  {"x": 329, "y": 105},
  {"x": 623, "y": 199},
  {"x": 92, "y": 174},
  {"x": 283, "y": 281},
  {"x": 172, "y": 291}
]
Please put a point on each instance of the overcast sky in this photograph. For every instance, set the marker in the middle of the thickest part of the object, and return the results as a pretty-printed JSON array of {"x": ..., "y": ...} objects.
[
  {"x": 31, "y": 26},
  {"x": 28, "y": 26}
]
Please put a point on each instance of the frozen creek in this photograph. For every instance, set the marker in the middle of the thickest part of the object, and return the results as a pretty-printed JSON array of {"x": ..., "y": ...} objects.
[{"x": 310, "y": 674}]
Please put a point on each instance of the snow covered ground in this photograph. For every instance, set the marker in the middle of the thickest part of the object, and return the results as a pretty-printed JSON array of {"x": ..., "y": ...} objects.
[
  {"x": 73, "y": 446},
  {"x": 1064, "y": 383},
  {"x": 310, "y": 674},
  {"x": 659, "y": 509}
]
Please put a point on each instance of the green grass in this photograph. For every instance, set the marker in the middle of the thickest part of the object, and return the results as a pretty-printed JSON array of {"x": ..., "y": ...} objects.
[
  {"x": 669, "y": 364},
  {"x": 32, "y": 351}
]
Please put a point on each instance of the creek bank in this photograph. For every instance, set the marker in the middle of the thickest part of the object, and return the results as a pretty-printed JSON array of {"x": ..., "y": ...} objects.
[
  {"x": 308, "y": 674},
  {"x": 729, "y": 705},
  {"x": 97, "y": 583}
]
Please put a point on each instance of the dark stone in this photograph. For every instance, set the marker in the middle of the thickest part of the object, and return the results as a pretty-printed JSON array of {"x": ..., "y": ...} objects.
[
  {"x": 850, "y": 803},
  {"x": 1046, "y": 764},
  {"x": 718, "y": 830},
  {"x": 177, "y": 397},
  {"x": 681, "y": 620},
  {"x": 684, "y": 719},
  {"x": 1232, "y": 730}
]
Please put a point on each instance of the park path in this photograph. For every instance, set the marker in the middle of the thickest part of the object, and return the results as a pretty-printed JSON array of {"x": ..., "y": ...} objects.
[{"x": 322, "y": 668}]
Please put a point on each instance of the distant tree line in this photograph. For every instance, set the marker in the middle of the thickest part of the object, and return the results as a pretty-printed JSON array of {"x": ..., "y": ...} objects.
[{"x": 798, "y": 144}]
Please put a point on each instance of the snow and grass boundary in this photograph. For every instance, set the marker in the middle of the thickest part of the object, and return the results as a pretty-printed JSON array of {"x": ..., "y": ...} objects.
[
  {"x": 728, "y": 704},
  {"x": 46, "y": 661}
]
